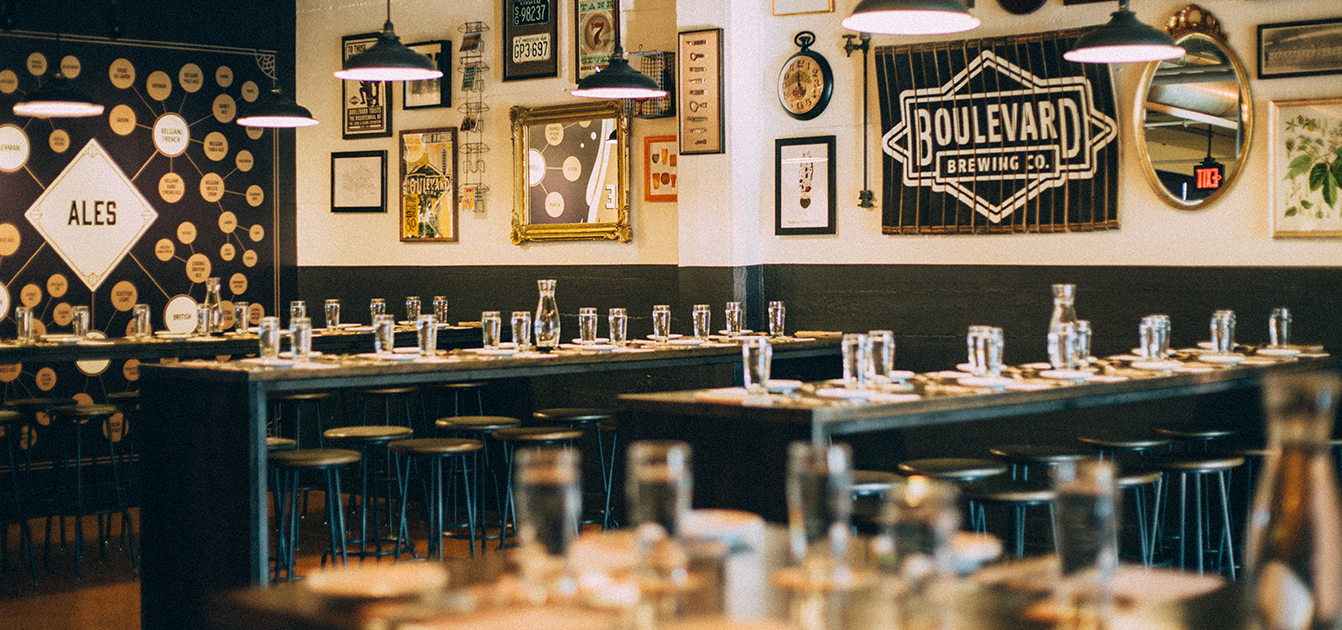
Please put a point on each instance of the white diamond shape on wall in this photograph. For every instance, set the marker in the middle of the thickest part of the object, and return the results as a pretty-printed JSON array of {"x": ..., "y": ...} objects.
[{"x": 92, "y": 215}]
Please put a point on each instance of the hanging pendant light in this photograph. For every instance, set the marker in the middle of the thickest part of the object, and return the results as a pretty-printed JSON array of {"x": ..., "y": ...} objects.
[
  {"x": 276, "y": 111},
  {"x": 618, "y": 80},
  {"x": 389, "y": 60},
  {"x": 57, "y": 98},
  {"x": 910, "y": 17},
  {"x": 1125, "y": 39}
]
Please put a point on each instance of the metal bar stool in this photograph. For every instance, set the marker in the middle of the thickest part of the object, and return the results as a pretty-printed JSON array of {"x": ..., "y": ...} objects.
[
  {"x": 1131, "y": 451},
  {"x": 1200, "y": 466},
  {"x": 389, "y": 395},
  {"x": 370, "y": 442},
  {"x": 436, "y": 451},
  {"x": 608, "y": 461},
  {"x": 457, "y": 389},
  {"x": 524, "y": 437},
  {"x": 129, "y": 403},
  {"x": 482, "y": 428},
  {"x": 296, "y": 402},
  {"x": 1017, "y": 495},
  {"x": 70, "y": 419},
  {"x": 957, "y": 470},
  {"x": 583, "y": 419},
  {"x": 1023, "y": 457},
  {"x": 11, "y": 424},
  {"x": 286, "y": 466}
]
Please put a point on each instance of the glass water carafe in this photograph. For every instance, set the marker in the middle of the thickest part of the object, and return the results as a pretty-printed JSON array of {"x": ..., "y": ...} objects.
[
  {"x": 1294, "y": 548},
  {"x": 547, "y": 316},
  {"x": 1064, "y": 301},
  {"x": 214, "y": 304}
]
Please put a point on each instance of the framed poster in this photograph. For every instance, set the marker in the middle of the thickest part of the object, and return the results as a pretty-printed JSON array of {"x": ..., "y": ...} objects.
[
  {"x": 429, "y": 185},
  {"x": 570, "y": 172},
  {"x": 596, "y": 28},
  {"x": 530, "y": 38},
  {"x": 659, "y": 168},
  {"x": 1305, "y": 158},
  {"x": 359, "y": 181},
  {"x": 798, "y": 7},
  {"x": 366, "y": 105},
  {"x": 700, "y": 111},
  {"x": 804, "y": 199},
  {"x": 1299, "y": 49},
  {"x": 433, "y": 92}
]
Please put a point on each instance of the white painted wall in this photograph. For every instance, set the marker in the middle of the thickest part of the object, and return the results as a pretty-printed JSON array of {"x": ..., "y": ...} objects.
[{"x": 725, "y": 214}]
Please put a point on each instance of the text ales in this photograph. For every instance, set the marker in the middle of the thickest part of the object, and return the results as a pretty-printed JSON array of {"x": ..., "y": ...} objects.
[{"x": 87, "y": 212}]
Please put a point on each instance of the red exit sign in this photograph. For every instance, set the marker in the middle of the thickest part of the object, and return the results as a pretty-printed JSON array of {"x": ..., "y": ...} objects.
[{"x": 1208, "y": 177}]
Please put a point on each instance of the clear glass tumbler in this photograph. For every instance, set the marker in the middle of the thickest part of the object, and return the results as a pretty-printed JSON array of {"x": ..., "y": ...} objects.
[
  {"x": 1062, "y": 342},
  {"x": 412, "y": 309},
  {"x": 854, "y": 347},
  {"x": 1083, "y": 337},
  {"x": 491, "y": 327},
  {"x": 242, "y": 316},
  {"x": 268, "y": 333},
  {"x": 80, "y": 321},
  {"x": 1087, "y": 528},
  {"x": 1149, "y": 337},
  {"x": 142, "y": 329},
  {"x": 880, "y": 356},
  {"x": 1223, "y": 332},
  {"x": 548, "y": 494},
  {"x": 384, "y": 334},
  {"x": 23, "y": 320},
  {"x": 376, "y": 306},
  {"x": 657, "y": 490},
  {"x": 618, "y": 322},
  {"x": 426, "y": 328},
  {"x": 204, "y": 315},
  {"x": 735, "y": 317},
  {"x": 297, "y": 308},
  {"x": 924, "y": 517},
  {"x": 819, "y": 506},
  {"x": 1279, "y": 327},
  {"x": 661, "y": 323},
  {"x": 332, "y": 307},
  {"x": 300, "y": 338},
  {"x": 777, "y": 319},
  {"x": 440, "y": 308},
  {"x": 757, "y": 362},
  {"x": 521, "y": 326},
  {"x": 985, "y": 345},
  {"x": 702, "y": 317},
  {"x": 587, "y": 325}
]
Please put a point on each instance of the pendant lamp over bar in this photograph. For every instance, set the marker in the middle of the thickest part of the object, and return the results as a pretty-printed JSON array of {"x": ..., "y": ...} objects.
[
  {"x": 276, "y": 111},
  {"x": 910, "y": 17},
  {"x": 389, "y": 60},
  {"x": 1124, "y": 40},
  {"x": 57, "y": 98}
]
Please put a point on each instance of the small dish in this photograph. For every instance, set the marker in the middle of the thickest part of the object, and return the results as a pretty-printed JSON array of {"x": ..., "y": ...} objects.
[
  {"x": 1126, "y": 357},
  {"x": 687, "y": 341},
  {"x": 744, "y": 331},
  {"x": 670, "y": 336},
  {"x": 782, "y": 385},
  {"x": 62, "y": 339},
  {"x": 1038, "y": 365},
  {"x": 167, "y": 334},
  {"x": 995, "y": 382},
  {"x": 392, "y": 356},
  {"x": 1284, "y": 353},
  {"x": 1028, "y": 386},
  {"x": 270, "y": 362},
  {"x": 598, "y": 340},
  {"x": 840, "y": 393},
  {"x": 1105, "y": 378},
  {"x": 949, "y": 374},
  {"x": 406, "y": 350},
  {"x": 1156, "y": 366},
  {"x": 1065, "y": 375},
  {"x": 591, "y": 347},
  {"x": 1225, "y": 359},
  {"x": 495, "y": 352},
  {"x": 289, "y": 354}
]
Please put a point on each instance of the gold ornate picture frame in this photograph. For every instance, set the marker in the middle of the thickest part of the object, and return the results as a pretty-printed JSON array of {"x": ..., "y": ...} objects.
[{"x": 570, "y": 173}]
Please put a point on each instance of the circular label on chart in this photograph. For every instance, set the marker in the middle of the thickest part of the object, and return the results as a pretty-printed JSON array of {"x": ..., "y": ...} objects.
[
  {"x": 223, "y": 76},
  {"x": 124, "y": 295},
  {"x": 249, "y": 258},
  {"x": 228, "y": 222},
  {"x": 198, "y": 267},
  {"x": 224, "y": 108},
  {"x": 250, "y": 91},
  {"x": 245, "y": 161},
  {"x": 255, "y": 133},
  {"x": 171, "y": 187},
  {"x": 179, "y": 315},
  {"x": 59, "y": 141},
  {"x": 57, "y": 285},
  {"x": 164, "y": 250},
  {"x": 94, "y": 367},
  {"x": 572, "y": 168},
  {"x": 70, "y": 67},
  {"x": 554, "y": 134},
  {"x": 171, "y": 135},
  {"x": 39, "y": 328},
  {"x": 46, "y": 379},
  {"x": 554, "y": 204},
  {"x": 186, "y": 232},
  {"x": 535, "y": 167},
  {"x": 63, "y": 314},
  {"x": 37, "y": 64},
  {"x": 227, "y": 252},
  {"x": 4, "y": 302},
  {"x": 30, "y": 295},
  {"x": 14, "y": 148},
  {"x": 158, "y": 85},
  {"x": 212, "y": 187},
  {"x": 256, "y": 233},
  {"x": 227, "y": 307},
  {"x": 82, "y": 398},
  {"x": 9, "y": 239},
  {"x": 254, "y": 313},
  {"x": 255, "y": 196},
  {"x": 191, "y": 78},
  {"x": 121, "y": 120},
  {"x": 216, "y": 146},
  {"x": 8, "y": 81},
  {"x": 114, "y": 429},
  {"x": 131, "y": 369},
  {"x": 237, "y": 284},
  {"x": 121, "y": 73},
  {"x": 10, "y": 371}
]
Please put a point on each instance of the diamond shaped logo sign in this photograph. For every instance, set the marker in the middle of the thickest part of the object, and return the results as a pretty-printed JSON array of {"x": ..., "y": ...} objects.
[{"x": 92, "y": 215}]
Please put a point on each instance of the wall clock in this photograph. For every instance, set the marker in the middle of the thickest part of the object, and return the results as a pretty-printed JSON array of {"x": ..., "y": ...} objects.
[{"x": 806, "y": 84}]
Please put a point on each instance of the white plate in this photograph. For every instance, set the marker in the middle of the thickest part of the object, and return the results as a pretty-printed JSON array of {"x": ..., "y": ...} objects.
[
  {"x": 1040, "y": 365},
  {"x": 1228, "y": 359},
  {"x": 996, "y": 382},
  {"x": 167, "y": 334},
  {"x": 1193, "y": 369},
  {"x": 1284, "y": 353},
  {"x": 1066, "y": 375},
  {"x": 841, "y": 393},
  {"x": 744, "y": 331},
  {"x": 62, "y": 339},
  {"x": 949, "y": 374},
  {"x": 1156, "y": 366},
  {"x": 598, "y": 340},
  {"x": 782, "y": 385},
  {"x": 495, "y": 352},
  {"x": 1105, "y": 378},
  {"x": 591, "y": 347},
  {"x": 361, "y": 328},
  {"x": 897, "y": 376},
  {"x": 1126, "y": 357},
  {"x": 1206, "y": 345},
  {"x": 688, "y": 341},
  {"x": 670, "y": 336},
  {"x": 289, "y": 354},
  {"x": 389, "y": 357},
  {"x": 270, "y": 362},
  {"x": 406, "y": 350},
  {"x": 1028, "y": 386}
]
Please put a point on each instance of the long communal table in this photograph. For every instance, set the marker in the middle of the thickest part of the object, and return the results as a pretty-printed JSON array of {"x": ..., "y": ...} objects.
[{"x": 203, "y": 512}]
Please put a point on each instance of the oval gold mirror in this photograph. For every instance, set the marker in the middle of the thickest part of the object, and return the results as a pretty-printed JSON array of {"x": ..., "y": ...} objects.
[{"x": 1195, "y": 115}]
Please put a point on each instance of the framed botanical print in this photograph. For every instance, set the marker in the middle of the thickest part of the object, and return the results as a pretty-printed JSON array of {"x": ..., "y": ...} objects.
[
  {"x": 365, "y": 105},
  {"x": 432, "y": 92},
  {"x": 359, "y": 181},
  {"x": 570, "y": 172},
  {"x": 1305, "y": 168},
  {"x": 530, "y": 39},
  {"x": 804, "y": 184},
  {"x": 429, "y": 185},
  {"x": 596, "y": 25}
]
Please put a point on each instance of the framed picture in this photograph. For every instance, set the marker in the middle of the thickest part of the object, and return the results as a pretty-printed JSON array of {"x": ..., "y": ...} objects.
[
  {"x": 798, "y": 7},
  {"x": 700, "y": 111},
  {"x": 1298, "y": 49},
  {"x": 1305, "y": 150},
  {"x": 433, "y": 92},
  {"x": 429, "y": 185},
  {"x": 366, "y": 104},
  {"x": 359, "y": 181},
  {"x": 570, "y": 172},
  {"x": 804, "y": 200},
  {"x": 530, "y": 39},
  {"x": 596, "y": 26},
  {"x": 659, "y": 168}
]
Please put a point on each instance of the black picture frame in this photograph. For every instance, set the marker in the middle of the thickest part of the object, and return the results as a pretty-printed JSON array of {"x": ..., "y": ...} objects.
[
  {"x": 1272, "y": 36},
  {"x": 790, "y": 159},
  {"x": 370, "y": 116},
  {"x": 420, "y": 94},
  {"x": 359, "y": 181},
  {"x": 530, "y": 28}
]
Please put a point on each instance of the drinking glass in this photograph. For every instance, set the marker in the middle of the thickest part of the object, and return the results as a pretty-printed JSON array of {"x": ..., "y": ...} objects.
[
  {"x": 491, "y": 325},
  {"x": 549, "y": 501},
  {"x": 819, "y": 505},
  {"x": 1223, "y": 332},
  {"x": 703, "y": 321},
  {"x": 376, "y": 306},
  {"x": 332, "y": 314},
  {"x": 923, "y": 518},
  {"x": 268, "y": 333},
  {"x": 586, "y": 325},
  {"x": 854, "y": 346},
  {"x": 1163, "y": 325},
  {"x": 412, "y": 308},
  {"x": 985, "y": 345},
  {"x": 427, "y": 328},
  {"x": 1279, "y": 327},
  {"x": 757, "y": 360},
  {"x": 521, "y": 325},
  {"x": 384, "y": 334},
  {"x": 618, "y": 320},
  {"x": 440, "y": 308},
  {"x": 297, "y": 308},
  {"x": 203, "y": 317},
  {"x": 1083, "y": 337},
  {"x": 1087, "y": 528},
  {"x": 1062, "y": 340},
  {"x": 1149, "y": 334},
  {"x": 777, "y": 317},
  {"x": 661, "y": 323},
  {"x": 242, "y": 315},
  {"x": 657, "y": 490},
  {"x": 23, "y": 319},
  {"x": 80, "y": 321},
  {"x": 140, "y": 315},
  {"x": 734, "y": 317},
  {"x": 300, "y": 338},
  {"x": 880, "y": 356}
]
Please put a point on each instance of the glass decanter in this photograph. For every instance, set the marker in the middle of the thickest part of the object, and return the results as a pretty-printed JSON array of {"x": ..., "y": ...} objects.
[
  {"x": 547, "y": 317},
  {"x": 214, "y": 304},
  {"x": 1064, "y": 300},
  {"x": 1294, "y": 542}
]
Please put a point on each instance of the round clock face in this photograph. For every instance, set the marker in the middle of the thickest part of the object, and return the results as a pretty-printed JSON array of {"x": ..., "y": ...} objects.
[{"x": 805, "y": 86}]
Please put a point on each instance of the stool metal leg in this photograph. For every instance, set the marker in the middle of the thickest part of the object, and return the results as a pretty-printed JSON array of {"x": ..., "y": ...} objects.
[{"x": 1225, "y": 522}]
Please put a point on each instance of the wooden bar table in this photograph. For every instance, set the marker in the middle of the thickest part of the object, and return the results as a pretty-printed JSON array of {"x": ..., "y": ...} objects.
[{"x": 203, "y": 515}]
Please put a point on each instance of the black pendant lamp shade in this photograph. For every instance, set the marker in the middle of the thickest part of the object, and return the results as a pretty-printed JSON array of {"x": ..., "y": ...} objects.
[
  {"x": 1125, "y": 39},
  {"x": 57, "y": 98},
  {"x": 389, "y": 60},
  {"x": 277, "y": 111},
  {"x": 618, "y": 80},
  {"x": 910, "y": 17}
]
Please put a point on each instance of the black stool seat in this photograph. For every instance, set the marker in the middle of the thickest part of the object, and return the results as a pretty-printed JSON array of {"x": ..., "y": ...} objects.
[
  {"x": 609, "y": 426},
  {"x": 121, "y": 398},
  {"x": 1139, "y": 478},
  {"x": 10, "y": 416},
  {"x": 537, "y": 435},
  {"x": 303, "y": 396},
  {"x": 1196, "y": 432},
  {"x": 873, "y": 481},
  {"x": 573, "y": 415},
  {"x": 952, "y": 468},
  {"x": 461, "y": 385},
  {"x": 37, "y": 404},
  {"x": 313, "y": 458},
  {"x": 477, "y": 423},
  {"x": 1038, "y": 454},
  {"x": 1003, "y": 490},
  {"x": 368, "y": 433},
  {"x": 1115, "y": 440},
  {"x": 280, "y": 444},
  {"x": 85, "y": 411},
  {"x": 286, "y": 467},
  {"x": 389, "y": 391},
  {"x": 1196, "y": 463},
  {"x": 435, "y": 446}
]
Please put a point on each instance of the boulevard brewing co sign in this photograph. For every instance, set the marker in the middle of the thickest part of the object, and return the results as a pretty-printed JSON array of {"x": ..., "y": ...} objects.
[{"x": 996, "y": 135}]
